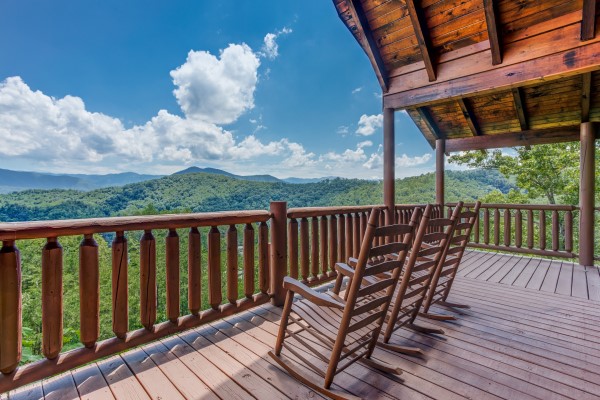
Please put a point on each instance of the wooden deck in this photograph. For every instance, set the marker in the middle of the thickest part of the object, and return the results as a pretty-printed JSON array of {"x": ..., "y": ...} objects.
[{"x": 524, "y": 341}]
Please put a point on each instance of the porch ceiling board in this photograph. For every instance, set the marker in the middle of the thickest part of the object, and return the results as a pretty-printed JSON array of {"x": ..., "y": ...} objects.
[{"x": 488, "y": 67}]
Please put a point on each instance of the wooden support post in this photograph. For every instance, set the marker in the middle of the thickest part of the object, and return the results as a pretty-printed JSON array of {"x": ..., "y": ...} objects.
[
  {"x": 389, "y": 162},
  {"x": 10, "y": 307},
  {"x": 586, "y": 194},
  {"x": 278, "y": 264},
  {"x": 440, "y": 148}
]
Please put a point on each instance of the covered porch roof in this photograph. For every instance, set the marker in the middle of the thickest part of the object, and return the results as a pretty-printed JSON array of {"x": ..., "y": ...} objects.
[{"x": 484, "y": 73}]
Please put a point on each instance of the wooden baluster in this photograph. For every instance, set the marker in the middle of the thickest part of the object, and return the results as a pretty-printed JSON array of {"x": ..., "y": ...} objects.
[
  {"x": 263, "y": 258},
  {"x": 555, "y": 231},
  {"x": 89, "y": 291},
  {"x": 476, "y": 229},
  {"x": 232, "y": 264},
  {"x": 10, "y": 307},
  {"x": 172, "y": 260},
  {"x": 52, "y": 298},
  {"x": 148, "y": 296},
  {"x": 324, "y": 246},
  {"x": 293, "y": 247},
  {"x": 215, "y": 296},
  {"x": 356, "y": 234},
  {"x": 314, "y": 248},
  {"x": 507, "y": 218},
  {"x": 518, "y": 228},
  {"x": 497, "y": 227},
  {"x": 333, "y": 240},
  {"x": 363, "y": 227},
  {"x": 349, "y": 236},
  {"x": 486, "y": 226},
  {"x": 530, "y": 229},
  {"x": 194, "y": 271},
  {"x": 249, "y": 260},
  {"x": 304, "y": 249},
  {"x": 120, "y": 292},
  {"x": 542, "y": 229},
  {"x": 569, "y": 231},
  {"x": 342, "y": 239}
]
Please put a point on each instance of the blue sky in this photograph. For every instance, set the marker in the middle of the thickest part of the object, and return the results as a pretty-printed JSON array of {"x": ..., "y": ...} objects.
[{"x": 275, "y": 87}]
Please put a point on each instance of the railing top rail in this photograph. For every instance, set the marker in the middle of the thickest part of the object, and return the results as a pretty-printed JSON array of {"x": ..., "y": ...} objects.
[
  {"x": 545, "y": 207},
  {"x": 304, "y": 212},
  {"x": 411, "y": 206},
  {"x": 44, "y": 229}
]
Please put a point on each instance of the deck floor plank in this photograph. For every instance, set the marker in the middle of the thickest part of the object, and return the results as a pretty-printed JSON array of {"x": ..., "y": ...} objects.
[
  {"x": 565, "y": 279},
  {"x": 579, "y": 286},
  {"x": 505, "y": 269},
  {"x": 593, "y": 282},
  {"x": 123, "y": 384},
  {"x": 90, "y": 383},
  {"x": 61, "y": 387},
  {"x": 551, "y": 279},
  {"x": 514, "y": 273}
]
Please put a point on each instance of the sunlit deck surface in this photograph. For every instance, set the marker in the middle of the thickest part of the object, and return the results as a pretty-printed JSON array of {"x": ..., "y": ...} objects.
[{"x": 533, "y": 331}]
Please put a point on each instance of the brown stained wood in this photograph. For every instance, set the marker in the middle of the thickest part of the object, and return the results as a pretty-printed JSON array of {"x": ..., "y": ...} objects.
[
  {"x": 496, "y": 227},
  {"x": 469, "y": 117},
  {"x": 486, "y": 226},
  {"x": 123, "y": 384},
  {"x": 363, "y": 224},
  {"x": 519, "y": 105},
  {"x": 542, "y": 229},
  {"x": 530, "y": 229},
  {"x": 555, "y": 231},
  {"x": 389, "y": 160},
  {"x": 588, "y": 23},
  {"x": 586, "y": 96},
  {"x": 248, "y": 244},
  {"x": 263, "y": 259},
  {"x": 89, "y": 291},
  {"x": 356, "y": 232},
  {"x": 429, "y": 122},
  {"x": 194, "y": 271},
  {"x": 422, "y": 33},
  {"x": 232, "y": 264},
  {"x": 52, "y": 298},
  {"x": 172, "y": 267},
  {"x": 323, "y": 246},
  {"x": 365, "y": 37},
  {"x": 568, "y": 231},
  {"x": 507, "y": 231},
  {"x": 120, "y": 286},
  {"x": 314, "y": 248},
  {"x": 309, "y": 212},
  {"x": 349, "y": 243},
  {"x": 493, "y": 29},
  {"x": 43, "y": 229},
  {"x": 279, "y": 257},
  {"x": 91, "y": 384},
  {"x": 148, "y": 295},
  {"x": 587, "y": 192},
  {"x": 475, "y": 237},
  {"x": 293, "y": 247},
  {"x": 518, "y": 228},
  {"x": 215, "y": 296},
  {"x": 304, "y": 250},
  {"x": 10, "y": 307},
  {"x": 342, "y": 255},
  {"x": 333, "y": 242}
]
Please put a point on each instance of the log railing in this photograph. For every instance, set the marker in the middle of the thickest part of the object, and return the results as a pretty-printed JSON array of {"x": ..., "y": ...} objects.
[
  {"x": 545, "y": 230},
  {"x": 248, "y": 227}
]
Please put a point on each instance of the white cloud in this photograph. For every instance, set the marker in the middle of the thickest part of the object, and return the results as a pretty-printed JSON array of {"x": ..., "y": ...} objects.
[
  {"x": 358, "y": 89},
  {"x": 366, "y": 143},
  {"x": 367, "y": 124},
  {"x": 374, "y": 162},
  {"x": 342, "y": 130},
  {"x": 217, "y": 90},
  {"x": 406, "y": 161},
  {"x": 270, "y": 48}
]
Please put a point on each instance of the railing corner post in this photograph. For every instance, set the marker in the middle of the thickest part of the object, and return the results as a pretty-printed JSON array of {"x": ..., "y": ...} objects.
[{"x": 278, "y": 261}]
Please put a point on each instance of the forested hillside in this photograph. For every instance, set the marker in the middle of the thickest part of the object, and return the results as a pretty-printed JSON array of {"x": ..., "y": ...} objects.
[{"x": 198, "y": 192}]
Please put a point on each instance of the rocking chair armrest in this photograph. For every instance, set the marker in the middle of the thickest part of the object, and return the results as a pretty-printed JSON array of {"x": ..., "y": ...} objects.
[
  {"x": 310, "y": 294},
  {"x": 345, "y": 269},
  {"x": 352, "y": 262}
]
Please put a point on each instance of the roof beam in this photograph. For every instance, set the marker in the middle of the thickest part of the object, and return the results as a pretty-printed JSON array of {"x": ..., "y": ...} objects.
[
  {"x": 422, "y": 33},
  {"x": 525, "y": 138},
  {"x": 493, "y": 25},
  {"x": 469, "y": 117},
  {"x": 543, "y": 69},
  {"x": 588, "y": 21},
  {"x": 368, "y": 42},
  {"x": 586, "y": 96},
  {"x": 429, "y": 121},
  {"x": 520, "y": 108}
]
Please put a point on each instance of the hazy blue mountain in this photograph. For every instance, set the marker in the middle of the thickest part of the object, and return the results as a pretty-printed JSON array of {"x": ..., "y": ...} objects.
[
  {"x": 254, "y": 178},
  {"x": 307, "y": 180}
]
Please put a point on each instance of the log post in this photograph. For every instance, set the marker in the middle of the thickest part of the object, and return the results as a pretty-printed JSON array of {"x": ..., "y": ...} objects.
[
  {"x": 89, "y": 291},
  {"x": 389, "y": 162},
  {"x": 52, "y": 298},
  {"x": 586, "y": 194},
  {"x": 440, "y": 148},
  {"x": 120, "y": 295},
  {"x": 10, "y": 307},
  {"x": 148, "y": 296},
  {"x": 278, "y": 264},
  {"x": 194, "y": 271}
]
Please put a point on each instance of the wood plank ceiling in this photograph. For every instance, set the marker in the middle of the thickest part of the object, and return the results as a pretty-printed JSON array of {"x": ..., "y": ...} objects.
[{"x": 467, "y": 70}]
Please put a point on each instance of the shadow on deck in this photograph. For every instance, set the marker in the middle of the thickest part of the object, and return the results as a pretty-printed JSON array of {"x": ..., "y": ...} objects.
[{"x": 532, "y": 332}]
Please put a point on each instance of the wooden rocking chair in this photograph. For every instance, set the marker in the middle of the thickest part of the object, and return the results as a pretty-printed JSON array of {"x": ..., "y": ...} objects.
[
  {"x": 442, "y": 279},
  {"x": 347, "y": 329}
]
